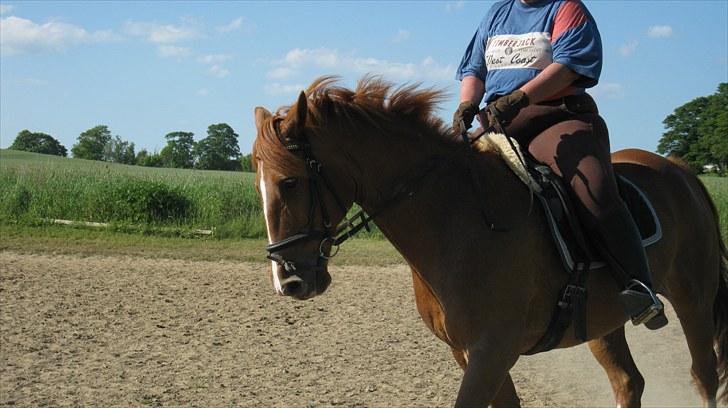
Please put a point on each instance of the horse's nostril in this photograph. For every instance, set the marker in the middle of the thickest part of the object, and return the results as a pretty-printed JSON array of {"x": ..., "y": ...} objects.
[{"x": 294, "y": 288}]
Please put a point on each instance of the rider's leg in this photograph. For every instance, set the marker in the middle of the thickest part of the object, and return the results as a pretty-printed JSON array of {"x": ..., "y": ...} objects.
[{"x": 578, "y": 150}]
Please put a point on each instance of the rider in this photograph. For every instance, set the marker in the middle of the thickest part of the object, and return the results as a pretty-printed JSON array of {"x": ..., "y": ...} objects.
[{"x": 532, "y": 60}]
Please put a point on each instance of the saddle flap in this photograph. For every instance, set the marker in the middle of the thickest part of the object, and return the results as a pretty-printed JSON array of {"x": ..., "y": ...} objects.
[
  {"x": 566, "y": 229},
  {"x": 642, "y": 211}
]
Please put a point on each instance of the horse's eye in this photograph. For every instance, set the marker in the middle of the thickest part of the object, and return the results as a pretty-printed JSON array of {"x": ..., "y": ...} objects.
[{"x": 290, "y": 183}]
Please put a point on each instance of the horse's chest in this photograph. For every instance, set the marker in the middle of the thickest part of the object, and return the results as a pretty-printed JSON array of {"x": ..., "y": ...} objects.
[{"x": 430, "y": 308}]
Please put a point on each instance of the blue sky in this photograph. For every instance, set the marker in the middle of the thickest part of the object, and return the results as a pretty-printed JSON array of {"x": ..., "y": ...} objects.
[{"x": 149, "y": 68}]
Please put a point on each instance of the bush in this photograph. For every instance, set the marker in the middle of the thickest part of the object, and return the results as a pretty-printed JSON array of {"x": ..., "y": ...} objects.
[
  {"x": 17, "y": 202},
  {"x": 144, "y": 201}
]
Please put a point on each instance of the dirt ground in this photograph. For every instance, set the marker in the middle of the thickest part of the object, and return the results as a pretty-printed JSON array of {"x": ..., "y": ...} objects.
[{"x": 122, "y": 331}]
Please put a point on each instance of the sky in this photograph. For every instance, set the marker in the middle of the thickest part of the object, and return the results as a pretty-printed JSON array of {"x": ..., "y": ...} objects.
[{"x": 147, "y": 68}]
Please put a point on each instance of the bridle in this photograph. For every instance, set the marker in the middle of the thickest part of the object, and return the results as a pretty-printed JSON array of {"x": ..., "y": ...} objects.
[{"x": 348, "y": 228}]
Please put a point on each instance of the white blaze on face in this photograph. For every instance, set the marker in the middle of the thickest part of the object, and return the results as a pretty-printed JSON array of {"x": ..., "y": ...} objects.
[{"x": 274, "y": 265}]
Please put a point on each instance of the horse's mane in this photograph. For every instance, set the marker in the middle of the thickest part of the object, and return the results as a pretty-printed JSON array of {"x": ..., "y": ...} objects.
[
  {"x": 406, "y": 111},
  {"x": 377, "y": 102}
]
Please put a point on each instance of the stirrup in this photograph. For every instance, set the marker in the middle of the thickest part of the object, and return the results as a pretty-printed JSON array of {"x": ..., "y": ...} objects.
[{"x": 642, "y": 305}]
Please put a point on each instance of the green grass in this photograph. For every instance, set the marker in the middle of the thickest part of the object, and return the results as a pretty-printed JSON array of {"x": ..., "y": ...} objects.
[
  {"x": 718, "y": 188},
  {"x": 149, "y": 200},
  {"x": 87, "y": 242}
]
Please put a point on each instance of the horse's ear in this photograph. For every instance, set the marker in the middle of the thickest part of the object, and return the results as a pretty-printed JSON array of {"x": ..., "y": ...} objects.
[
  {"x": 261, "y": 114},
  {"x": 301, "y": 112},
  {"x": 294, "y": 125}
]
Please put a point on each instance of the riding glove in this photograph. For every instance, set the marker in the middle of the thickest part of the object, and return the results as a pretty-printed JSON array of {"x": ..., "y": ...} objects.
[
  {"x": 466, "y": 113},
  {"x": 505, "y": 108}
]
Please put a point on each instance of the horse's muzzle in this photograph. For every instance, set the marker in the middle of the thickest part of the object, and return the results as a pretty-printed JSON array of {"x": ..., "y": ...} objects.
[
  {"x": 305, "y": 284},
  {"x": 295, "y": 287}
]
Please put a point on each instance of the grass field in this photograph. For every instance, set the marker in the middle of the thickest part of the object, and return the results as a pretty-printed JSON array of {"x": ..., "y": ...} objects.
[
  {"x": 84, "y": 242},
  {"x": 718, "y": 188},
  {"x": 150, "y": 200},
  {"x": 154, "y": 201}
]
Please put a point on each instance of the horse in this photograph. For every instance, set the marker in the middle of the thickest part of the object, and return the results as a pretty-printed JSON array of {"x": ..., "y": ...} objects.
[{"x": 489, "y": 293}]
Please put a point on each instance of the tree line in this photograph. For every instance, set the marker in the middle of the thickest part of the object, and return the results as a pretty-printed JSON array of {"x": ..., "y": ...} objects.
[
  {"x": 218, "y": 151},
  {"x": 696, "y": 132}
]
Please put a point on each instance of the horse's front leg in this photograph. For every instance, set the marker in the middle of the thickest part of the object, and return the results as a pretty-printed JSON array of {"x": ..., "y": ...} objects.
[
  {"x": 507, "y": 396},
  {"x": 613, "y": 354},
  {"x": 487, "y": 368}
]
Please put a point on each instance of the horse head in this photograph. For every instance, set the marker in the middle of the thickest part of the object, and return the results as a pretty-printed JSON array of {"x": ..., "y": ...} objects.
[
  {"x": 302, "y": 201},
  {"x": 334, "y": 147}
]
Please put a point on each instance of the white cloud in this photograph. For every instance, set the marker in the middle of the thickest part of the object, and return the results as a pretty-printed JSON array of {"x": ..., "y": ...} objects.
[
  {"x": 160, "y": 34},
  {"x": 5, "y": 8},
  {"x": 659, "y": 31},
  {"x": 214, "y": 58},
  {"x": 280, "y": 73},
  {"x": 276, "y": 88},
  {"x": 404, "y": 70},
  {"x": 321, "y": 57},
  {"x": 20, "y": 36},
  {"x": 172, "y": 51},
  {"x": 628, "y": 48},
  {"x": 218, "y": 71},
  {"x": 298, "y": 59},
  {"x": 105, "y": 36},
  {"x": 203, "y": 92},
  {"x": 401, "y": 36},
  {"x": 608, "y": 90},
  {"x": 231, "y": 26},
  {"x": 454, "y": 5}
]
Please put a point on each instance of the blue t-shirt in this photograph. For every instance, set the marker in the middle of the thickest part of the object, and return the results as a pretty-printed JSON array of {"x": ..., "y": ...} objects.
[{"x": 516, "y": 41}]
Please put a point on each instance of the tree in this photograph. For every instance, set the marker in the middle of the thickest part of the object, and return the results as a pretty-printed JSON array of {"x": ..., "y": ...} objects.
[
  {"x": 91, "y": 143},
  {"x": 697, "y": 132},
  {"x": 38, "y": 142},
  {"x": 144, "y": 158},
  {"x": 246, "y": 162},
  {"x": 715, "y": 128},
  {"x": 219, "y": 150},
  {"x": 178, "y": 152},
  {"x": 119, "y": 151}
]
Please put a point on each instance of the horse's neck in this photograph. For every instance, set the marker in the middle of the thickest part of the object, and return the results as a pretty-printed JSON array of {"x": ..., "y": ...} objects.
[
  {"x": 445, "y": 209},
  {"x": 381, "y": 162}
]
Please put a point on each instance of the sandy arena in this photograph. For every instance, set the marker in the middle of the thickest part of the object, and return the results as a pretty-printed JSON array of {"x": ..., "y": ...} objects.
[{"x": 122, "y": 331}]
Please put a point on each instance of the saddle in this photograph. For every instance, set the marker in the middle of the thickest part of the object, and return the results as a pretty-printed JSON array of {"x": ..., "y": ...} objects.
[{"x": 576, "y": 250}]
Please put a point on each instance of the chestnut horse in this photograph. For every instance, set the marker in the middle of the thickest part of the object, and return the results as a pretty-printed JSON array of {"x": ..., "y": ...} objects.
[{"x": 488, "y": 293}]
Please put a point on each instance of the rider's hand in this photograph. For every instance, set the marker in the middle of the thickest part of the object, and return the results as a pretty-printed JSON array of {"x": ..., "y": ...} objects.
[
  {"x": 505, "y": 108},
  {"x": 466, "y": 113}
]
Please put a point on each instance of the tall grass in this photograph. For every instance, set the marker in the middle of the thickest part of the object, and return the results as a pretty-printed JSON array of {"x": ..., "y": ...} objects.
[
  {"x": 718, "y": 188},
  {"x": 34, "y": 187}
]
